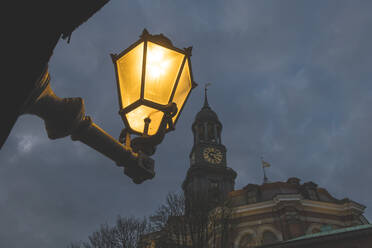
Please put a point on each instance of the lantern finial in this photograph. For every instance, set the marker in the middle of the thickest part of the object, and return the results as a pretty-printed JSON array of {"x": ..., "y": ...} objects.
[{"x": 145, "y": 33}]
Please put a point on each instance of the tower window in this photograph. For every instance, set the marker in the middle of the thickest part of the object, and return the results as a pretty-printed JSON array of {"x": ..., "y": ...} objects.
[
  {"x": 201, "y": 132},
  {"x": 211, "y": 135},
  {"x": 192, "y": 158},
  {"x": 213, "y": 184}
]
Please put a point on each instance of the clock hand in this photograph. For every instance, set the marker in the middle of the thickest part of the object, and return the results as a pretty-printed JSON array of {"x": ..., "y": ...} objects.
[{"x": 212, "y": 154}]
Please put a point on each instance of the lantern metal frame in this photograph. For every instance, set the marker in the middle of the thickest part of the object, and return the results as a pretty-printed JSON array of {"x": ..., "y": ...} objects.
[
  {"x": 162, "y": 41},
  {"x": 66, "y": 117}
]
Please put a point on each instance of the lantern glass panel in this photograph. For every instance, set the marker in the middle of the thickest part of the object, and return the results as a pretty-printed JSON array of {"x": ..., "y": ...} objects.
[
  {"x": 137, "y": 116},
  {"x": 129, "y": 69},
  {"x": 162, "y": 67},
  {"x": 183, "y": 88}
]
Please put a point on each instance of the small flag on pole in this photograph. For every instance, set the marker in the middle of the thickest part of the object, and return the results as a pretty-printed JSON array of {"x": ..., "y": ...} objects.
[{"x": 265, "y": 164}]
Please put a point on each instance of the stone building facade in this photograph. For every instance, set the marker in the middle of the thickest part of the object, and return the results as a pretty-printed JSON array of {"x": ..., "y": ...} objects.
[
  {"x": 282, "y": 211},
  {"x": 273, "y": 214}
]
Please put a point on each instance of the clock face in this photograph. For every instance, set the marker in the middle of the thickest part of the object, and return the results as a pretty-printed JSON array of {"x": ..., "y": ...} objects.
[{"x": 212, "y": 155}]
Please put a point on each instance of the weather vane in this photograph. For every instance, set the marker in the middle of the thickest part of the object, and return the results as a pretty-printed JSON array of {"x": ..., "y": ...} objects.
[{"x": 206, "y": 88}]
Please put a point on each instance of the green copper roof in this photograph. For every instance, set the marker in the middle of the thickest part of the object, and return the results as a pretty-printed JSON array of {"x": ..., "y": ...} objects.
[{"x": 330, "y": 232}]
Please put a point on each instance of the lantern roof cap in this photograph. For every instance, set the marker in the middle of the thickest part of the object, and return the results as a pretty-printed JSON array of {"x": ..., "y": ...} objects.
[{"x": 158, "y": 38}]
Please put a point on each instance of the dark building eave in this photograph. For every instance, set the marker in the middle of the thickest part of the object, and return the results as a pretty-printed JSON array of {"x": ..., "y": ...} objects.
[{"x": 30, "y": 36}]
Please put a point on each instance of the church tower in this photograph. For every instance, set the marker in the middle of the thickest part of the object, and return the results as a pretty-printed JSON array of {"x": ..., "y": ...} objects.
[{"x": 208, "y": 177}]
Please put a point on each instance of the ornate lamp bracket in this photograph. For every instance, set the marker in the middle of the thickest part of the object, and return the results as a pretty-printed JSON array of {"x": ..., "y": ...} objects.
[{"x": 66, "y": 117}]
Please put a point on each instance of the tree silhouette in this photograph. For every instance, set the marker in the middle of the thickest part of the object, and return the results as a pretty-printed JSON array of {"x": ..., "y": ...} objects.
[
  {"x": 171, "y": 226},
  {"x": 125, "y": 234},
  {"x": 199, "y": 227}
]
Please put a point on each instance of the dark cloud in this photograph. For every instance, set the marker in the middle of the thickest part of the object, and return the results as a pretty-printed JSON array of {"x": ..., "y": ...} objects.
[{"x": 290, "y": 80}]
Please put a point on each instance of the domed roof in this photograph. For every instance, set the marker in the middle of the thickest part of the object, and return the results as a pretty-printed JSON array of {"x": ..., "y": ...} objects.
[
  {"x": 268, "y": 191},
  {"x": 206, "y": 114}
]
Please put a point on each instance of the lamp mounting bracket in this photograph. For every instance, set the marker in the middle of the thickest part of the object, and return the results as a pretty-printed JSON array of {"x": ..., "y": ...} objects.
[{"x": 147, "y": 144}]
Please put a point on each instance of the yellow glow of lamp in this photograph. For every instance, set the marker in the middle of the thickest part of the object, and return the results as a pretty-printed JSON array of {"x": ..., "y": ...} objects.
[{"x": 151, "y": 74}]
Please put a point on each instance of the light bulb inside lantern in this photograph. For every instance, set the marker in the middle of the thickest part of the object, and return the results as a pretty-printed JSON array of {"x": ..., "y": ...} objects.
[{"x": 157, "y": 65}]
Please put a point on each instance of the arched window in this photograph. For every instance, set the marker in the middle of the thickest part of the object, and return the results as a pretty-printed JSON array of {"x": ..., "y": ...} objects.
[
  {"x": 201, "y": 132},
  {"x": 315, "y": 230},
  {"x": 210, "y": 129},
  {"x": 269, "y": 237},
  {"x": 247, "y": 241},
  {"x": 218, "y": 133}
]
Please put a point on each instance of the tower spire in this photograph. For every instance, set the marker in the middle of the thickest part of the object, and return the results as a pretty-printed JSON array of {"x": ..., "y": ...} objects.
[{"x": 206, "y": 104}]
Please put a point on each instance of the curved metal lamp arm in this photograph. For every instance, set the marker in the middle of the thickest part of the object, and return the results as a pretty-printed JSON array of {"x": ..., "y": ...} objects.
[{"x": 66, "y": 116}]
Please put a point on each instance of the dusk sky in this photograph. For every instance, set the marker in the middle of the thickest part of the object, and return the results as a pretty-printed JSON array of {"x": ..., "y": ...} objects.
[{"x": 291, "y": 81}]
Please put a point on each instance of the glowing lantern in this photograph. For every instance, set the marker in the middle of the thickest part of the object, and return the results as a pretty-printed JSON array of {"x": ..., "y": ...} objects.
[{"x": 152, "y": 75}]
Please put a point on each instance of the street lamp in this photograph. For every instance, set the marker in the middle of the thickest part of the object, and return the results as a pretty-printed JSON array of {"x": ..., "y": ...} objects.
[{"x": 154, "y": 81}]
